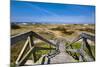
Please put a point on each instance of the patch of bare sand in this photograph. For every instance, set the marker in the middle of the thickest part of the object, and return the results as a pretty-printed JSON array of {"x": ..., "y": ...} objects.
[{"x": 57, "y": 34}]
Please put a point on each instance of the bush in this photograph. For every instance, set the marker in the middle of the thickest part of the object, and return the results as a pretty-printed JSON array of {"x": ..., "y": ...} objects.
[
  {"x": 63, "y": 30},
  {"x": 88, "y": 30},
  {"x": 59, "y": 28},
  {"x": 14, "y": 26}
]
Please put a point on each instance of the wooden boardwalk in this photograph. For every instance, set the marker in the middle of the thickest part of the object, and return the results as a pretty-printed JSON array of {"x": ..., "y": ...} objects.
[
  {"x": 58, "y": 53},
  {"x": 62, "y": 57}
]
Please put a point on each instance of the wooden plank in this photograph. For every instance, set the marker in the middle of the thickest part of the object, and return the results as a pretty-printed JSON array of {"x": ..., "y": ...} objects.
[
  {"x": 42, "y": 48},
  {"x": 85, "y": 56},
  {"x": 80, "y": 59},
  {"x": 88, "y": 36},
  {"x": 25, "y": 57},
  {"x": 75, "y": 40},
  {"x": 45, "y": 60},
  {"x": 83, "y": 35},
  {"x": 73, "y": 50},
  {"x": 19, "y": 37},
  {"x": 31, "y": 44},
  {"x": 22, "y": 52},
  {"x": 42, "y": 38},
  {"x": 42, "y": 60},
  {"x": 88, "y": 47},
  {"x": 24, "y": 36}
]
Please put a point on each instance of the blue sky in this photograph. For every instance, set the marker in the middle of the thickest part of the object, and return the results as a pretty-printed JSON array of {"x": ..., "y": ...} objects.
[{"x": 51, "y": 13}]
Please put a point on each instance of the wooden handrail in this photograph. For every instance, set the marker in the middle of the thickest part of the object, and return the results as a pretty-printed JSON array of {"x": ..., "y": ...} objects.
[
  {"x": 23, "y": 36},
  {"x": 42, "y": 38},
  {"x": 84, "y": 38},
  {"x": 20, "y": 37},
  {"x": 28, "y": 36},
  {"x": 88, "y": 36}
]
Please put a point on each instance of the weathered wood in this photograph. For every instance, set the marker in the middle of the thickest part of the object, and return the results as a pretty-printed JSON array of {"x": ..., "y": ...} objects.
[
  {"x": 84, "y": 56},
  {"x": 88, "y": 47},
  {"x": 73, "y": 50},
  {"x": 83, "y": 35},
  {"x": 43, "y": 60},
  {"x": 23, "y": 36},
  {"x": 26, "y": 56},
  {"x": 88, "y": 36},
  {"x": 31, "y": 44},
  {"x": 42, "y": 48},
  {"x": 22, "y": 59},
  {"x": 75, "y": 40},
  {"x": 80, "y": 58},
  {"x": 20, "y": 37},
  {"x": 22, "y": 51},
  {"x": 42, "y": 38}
]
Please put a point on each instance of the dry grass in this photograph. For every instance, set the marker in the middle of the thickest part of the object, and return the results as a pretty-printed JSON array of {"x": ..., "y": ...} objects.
[{"x": 51, "y": 29}]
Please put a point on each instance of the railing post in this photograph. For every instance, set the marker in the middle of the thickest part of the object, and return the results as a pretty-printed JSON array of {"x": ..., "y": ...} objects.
[
  {"x": 25, "y": 57},
  {"x": 31, "y": 44},
  {"x": 87, "y": 46},
  {"x": 22, "y": 52}
]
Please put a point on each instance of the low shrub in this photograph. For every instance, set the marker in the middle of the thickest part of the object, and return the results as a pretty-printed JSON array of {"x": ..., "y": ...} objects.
[{"x": 14, "y": 26}]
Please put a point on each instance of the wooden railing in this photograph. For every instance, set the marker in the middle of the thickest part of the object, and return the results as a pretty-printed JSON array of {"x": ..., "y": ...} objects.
[
  {"x": 45, "y": 59},
  {"x": 28, "y": 36},
  {"x": 85, "y": 49}
]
